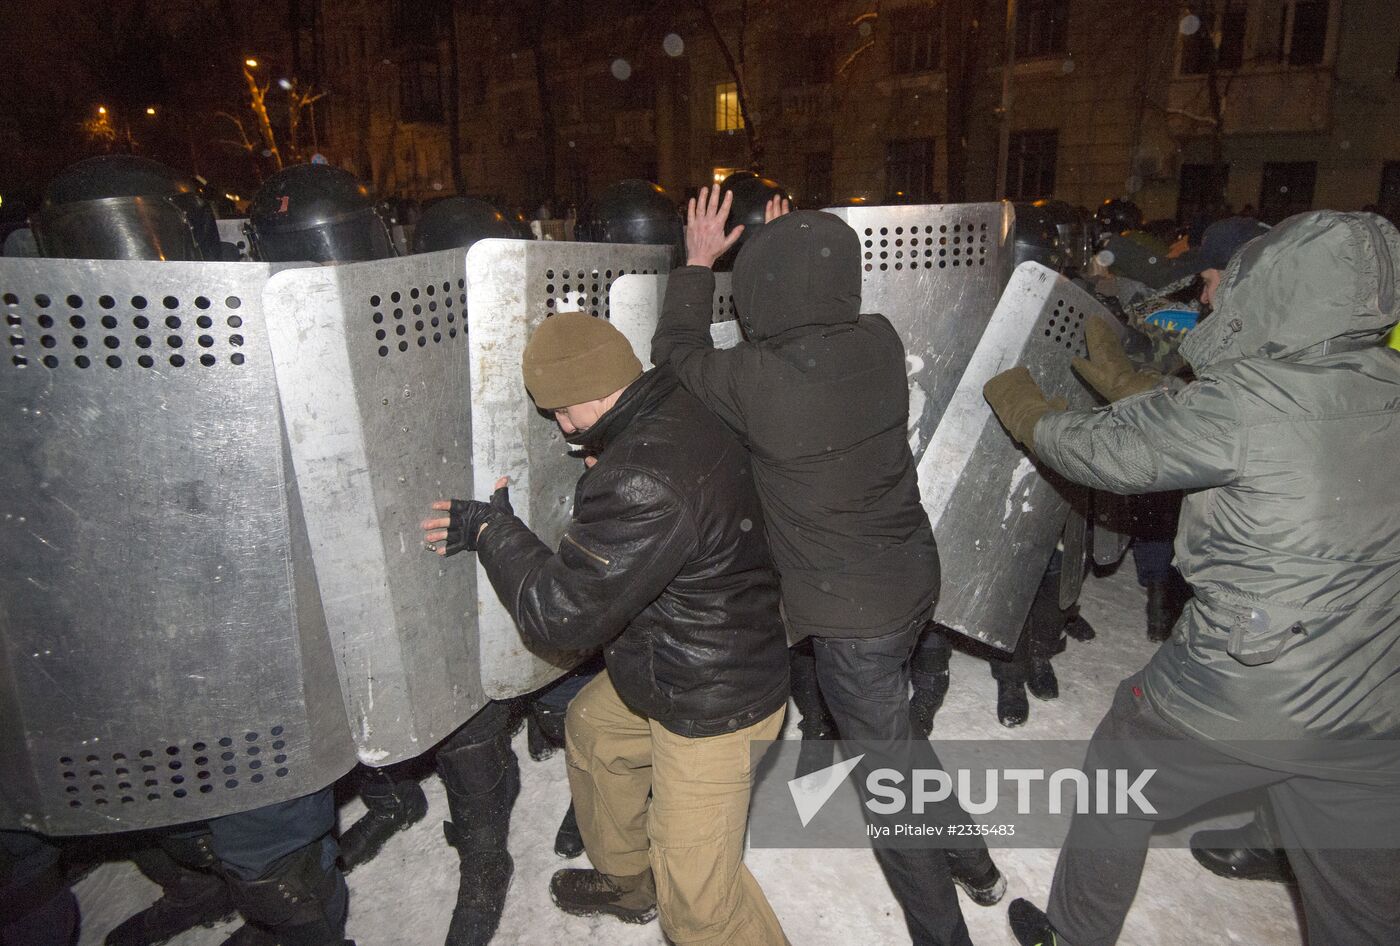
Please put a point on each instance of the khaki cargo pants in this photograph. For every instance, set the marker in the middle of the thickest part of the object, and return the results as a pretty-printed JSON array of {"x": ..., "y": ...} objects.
[{"x": 691, "y": 835}]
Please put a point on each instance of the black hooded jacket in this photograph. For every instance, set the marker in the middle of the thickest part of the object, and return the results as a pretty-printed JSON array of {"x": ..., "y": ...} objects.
[
  {"x": 820, "y": 397},
  {"x": 664, "y": 565}
]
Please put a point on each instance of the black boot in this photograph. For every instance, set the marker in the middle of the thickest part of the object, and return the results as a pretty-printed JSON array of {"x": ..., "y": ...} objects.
[
  {"x": 545, "y": 731},
  {"x": 1013, "y": 709},
  {"x": 568, "y": 842},
  {"x": 1076, "y": 627},
  {"x": 926, "y": 702},
  {"x": 1043, "y": 683},
  {"x": 391, "y": 805},
  {"x": 1159, "y": 616},
  {"x": 1246, "y": 853},
  {"x": 190, "y": 896},
  {"x": 972, "y": 869},
  {"x": 591, "y": 892},
  {"x": 298, "y": 902},
  {"x": 482, "y": 781},
  {"x": 1031, "y": 926}
]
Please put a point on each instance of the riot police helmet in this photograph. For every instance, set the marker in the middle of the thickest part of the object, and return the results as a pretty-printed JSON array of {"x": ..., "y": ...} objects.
[
  {"x": 457, "y": 223},
  {"x": 751, "y": 196},
  {"x": 122, "y": 206},
  {"x": 634, "y": 211},
  {"x": 316, "y": 213},
  {"x": 1117, "y": 215}
]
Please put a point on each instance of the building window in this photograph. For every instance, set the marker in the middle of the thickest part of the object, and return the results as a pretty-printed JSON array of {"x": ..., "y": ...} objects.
[
  {"x": 1199, "y": 51},
  {"x": 816, "y": 180},
  {"x": 1287, "y": 189},
  {"x": 728, "y": 117},
  {"x": 1201, "y": 190},
  {"x": 1042, "y": 28},
  {"x": 909, "y": 171},
  {"x": 1390, "y": 190},
  {"x": 420, "y": 91},
  {"x": 917, "y": 47},
  {"x": 1030, "y": 164}
]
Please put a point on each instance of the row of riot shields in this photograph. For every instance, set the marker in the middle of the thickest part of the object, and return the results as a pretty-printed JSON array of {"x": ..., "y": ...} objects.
[{"x": 213, "y": 591}]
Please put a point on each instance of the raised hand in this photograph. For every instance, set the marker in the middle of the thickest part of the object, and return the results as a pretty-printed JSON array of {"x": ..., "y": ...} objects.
[
  {"x": 777, "y": 206},
  {"x": 705, "y": 239}
]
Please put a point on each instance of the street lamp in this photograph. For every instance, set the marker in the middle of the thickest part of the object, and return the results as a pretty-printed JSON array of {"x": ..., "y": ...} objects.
[
  {"x": 251, "y": 63},
  {"x": 102, "y": 110},
  {"x": 150, "y": 110}
]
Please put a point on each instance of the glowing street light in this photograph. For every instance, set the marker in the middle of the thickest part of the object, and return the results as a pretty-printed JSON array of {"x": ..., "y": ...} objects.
[
  {"x": 150, "y": 109},
  {"x": 102, "y": 110},
  {"x": 251, "y": 63}
]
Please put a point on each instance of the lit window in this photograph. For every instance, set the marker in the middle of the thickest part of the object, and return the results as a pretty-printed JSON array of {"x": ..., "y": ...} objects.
[{"x": 728, "y": 117}]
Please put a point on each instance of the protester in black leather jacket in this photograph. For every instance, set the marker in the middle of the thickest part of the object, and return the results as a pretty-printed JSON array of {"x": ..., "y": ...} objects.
[{"x": 665, "y": 563}]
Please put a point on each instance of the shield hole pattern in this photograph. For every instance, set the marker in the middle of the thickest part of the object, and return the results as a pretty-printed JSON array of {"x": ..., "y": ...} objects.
[
  {"x": 724, "y": 308},
  {"x": 1066, "y": 328},
  {"x": 404, "y": 321},
  {"x": 583, "y": 290},
  {"x": 128, "y": 332},
  {"x": 180, "y": 771},
  {"x": 926, "y": 246}
]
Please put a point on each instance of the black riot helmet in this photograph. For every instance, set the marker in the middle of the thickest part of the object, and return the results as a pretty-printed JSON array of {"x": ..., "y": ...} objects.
[
  {"x": 634, "y": 211},
  {"x": 316, "y": 213},
  {"x": 1117, "y": 215},
  {"x": 751, "y": 195},
  {"x": 1037, "y": 238},
  {"x": 457, "y": 223},
  {"x": 120, "y": 206}
]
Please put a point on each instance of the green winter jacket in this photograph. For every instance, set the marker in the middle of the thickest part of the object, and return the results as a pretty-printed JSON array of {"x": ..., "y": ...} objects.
[{"x": 1290, "y": 530}]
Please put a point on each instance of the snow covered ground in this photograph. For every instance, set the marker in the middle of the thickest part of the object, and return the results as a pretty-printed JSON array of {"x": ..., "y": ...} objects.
[{"x": 823, "y": 897}]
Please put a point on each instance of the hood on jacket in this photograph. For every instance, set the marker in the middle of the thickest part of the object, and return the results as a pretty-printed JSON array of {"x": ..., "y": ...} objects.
[
  {"x": 802, "y": 269},
  {"x": 1318, "y": 279}
]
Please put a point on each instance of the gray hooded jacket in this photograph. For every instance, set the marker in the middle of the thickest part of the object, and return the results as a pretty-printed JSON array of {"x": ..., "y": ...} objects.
[{"x": 1286, "y": 445}]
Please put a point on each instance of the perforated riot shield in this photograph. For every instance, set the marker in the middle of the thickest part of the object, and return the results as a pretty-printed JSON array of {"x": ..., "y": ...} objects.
[
  {"x": 514, "y": 285},
  {"x": 163, "y": 653},
  {"x": 635, "y": 306},
  {"x": 996, "y": 518},
  {"x": 371, "y": 361},
  {"x": 936, "y": 273}
]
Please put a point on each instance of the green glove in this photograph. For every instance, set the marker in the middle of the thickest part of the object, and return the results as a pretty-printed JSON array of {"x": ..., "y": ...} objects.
[
  {"x": 1018, "y": 403},
  {"x": 1107, "y": 369}
]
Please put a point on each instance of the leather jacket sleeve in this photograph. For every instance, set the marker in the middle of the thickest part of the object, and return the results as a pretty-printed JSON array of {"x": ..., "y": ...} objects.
[{"x": 631, "y": 534}]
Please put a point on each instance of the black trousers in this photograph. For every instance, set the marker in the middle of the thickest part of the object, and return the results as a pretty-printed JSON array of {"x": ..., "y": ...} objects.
[
  {"x": 866, "y": 686},
  {"x": 1349, "y": 896}
]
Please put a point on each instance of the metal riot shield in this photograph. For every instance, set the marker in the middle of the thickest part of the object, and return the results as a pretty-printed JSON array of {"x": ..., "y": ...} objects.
[
  {"x": 996, "y": 518},
  {"x": 163, "y": 653},
  {"x": 634, "y": 306},
  {"x": 1073, "y": 542},
  {"x": 513, "y": 285},
  {"x": 936, "y": 273},
  {"x": 371, "y": 362}
]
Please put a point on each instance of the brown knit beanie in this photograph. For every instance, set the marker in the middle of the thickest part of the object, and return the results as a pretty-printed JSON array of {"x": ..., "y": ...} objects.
[{"x": 573, "y": 358}]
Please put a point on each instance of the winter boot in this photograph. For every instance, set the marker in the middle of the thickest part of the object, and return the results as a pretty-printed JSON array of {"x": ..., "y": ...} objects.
[
  {"x": 926, "y": 702},
  {"x": 1245, "y": 853},
  {"x": 1042, "y": 682},
  {"x": 568, "y": 842},
  {"x": 482, "y": 781},
  {"x": 1012, "y": 707},
  {"x": 391, "y": 804},
  {"x": 1030, "y": 926},
  {"x": 1076, "y": 627},
  {"x": 190, "y": 896},
  {"x": 591, "y": 892},
  {"x": 545, "y": 731},
  {"x": 1159, "y": 612},
  {"x": 972, "y": 869},
  {"x": 297, "y": 902}
]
